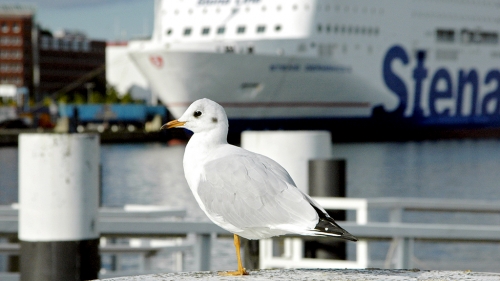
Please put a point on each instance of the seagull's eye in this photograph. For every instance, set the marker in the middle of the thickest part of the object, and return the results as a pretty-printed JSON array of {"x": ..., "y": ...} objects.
[{"x": 197, "y": 114}]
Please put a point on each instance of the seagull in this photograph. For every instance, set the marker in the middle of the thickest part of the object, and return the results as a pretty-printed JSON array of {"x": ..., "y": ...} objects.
[{"x": 248, "y": 194}]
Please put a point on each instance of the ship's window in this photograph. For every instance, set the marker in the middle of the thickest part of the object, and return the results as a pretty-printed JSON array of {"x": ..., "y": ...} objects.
[
  {"x": 336, "y": 28},
  {"x": 221, "y": 30},
  {"x": 240, "y": 30},
  {"x": 261, "y": 29},
  {"x": 277, "y": 28},
  {"x": 278, "y": 8},
  {"x": 349, "y": 29},
  {"x": 375, "y": 31},
  {"x": 342, "y": 29},
  {"x": 479, "y": 36},
  {"x": 263, "y": 8},
  {"x": 190, "y": 11},
  {"x": 229, "y": 49},
  {"x": 489, "y": 37},
  {"x": 356, "y": 29},
  {"x": 445, "y": 35},
  {"x": 319, "y": 28},
  {"x": 250, "y": 50},
  {"x": 363, "y": 30},
  {"x": 169, "y": 31},
  {"x": 205, "y": 31},
  {"x": 294, "y": 7},
  {"x": 187, "y": 31},
  {"x": 328, "y": 28}
]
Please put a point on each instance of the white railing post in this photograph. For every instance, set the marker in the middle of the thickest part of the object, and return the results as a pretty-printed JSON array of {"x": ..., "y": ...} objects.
[
  {"x": 362, "y": 254},
  {"x": 179, "y": 257},
  {"x": 202, "y": 252},
  {"x": 406, "y": 253}
]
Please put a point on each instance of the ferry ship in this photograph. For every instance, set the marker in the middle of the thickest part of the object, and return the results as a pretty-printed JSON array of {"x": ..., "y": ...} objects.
[{"x": 356, "y": 67}]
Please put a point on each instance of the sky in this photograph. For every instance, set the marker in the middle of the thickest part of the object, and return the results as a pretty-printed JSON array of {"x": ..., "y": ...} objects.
[{"x": 110, "y": 20}]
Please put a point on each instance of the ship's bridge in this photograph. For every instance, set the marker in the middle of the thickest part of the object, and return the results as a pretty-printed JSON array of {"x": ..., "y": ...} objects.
[{"x": 213, "y": 20}]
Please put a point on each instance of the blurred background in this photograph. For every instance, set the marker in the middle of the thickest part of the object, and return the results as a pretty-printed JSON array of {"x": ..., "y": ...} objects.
[{"x": 408, "y": 91}]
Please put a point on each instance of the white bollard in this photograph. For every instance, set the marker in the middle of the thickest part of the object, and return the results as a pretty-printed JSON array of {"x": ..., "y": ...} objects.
[
  {"x": 59, "y": 196},
  {"x": 291, "y": 149}
]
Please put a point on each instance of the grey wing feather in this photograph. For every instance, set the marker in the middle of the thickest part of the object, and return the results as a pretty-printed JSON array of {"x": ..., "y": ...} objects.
[{"x": 250, "y": 191}]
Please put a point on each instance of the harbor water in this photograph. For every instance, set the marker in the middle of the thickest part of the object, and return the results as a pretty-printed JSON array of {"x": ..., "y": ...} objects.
[{"x": 451, "y": 169}]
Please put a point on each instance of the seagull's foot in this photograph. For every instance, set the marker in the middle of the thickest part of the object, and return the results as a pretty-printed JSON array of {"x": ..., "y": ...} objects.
[{"x": 234, "y": 273}]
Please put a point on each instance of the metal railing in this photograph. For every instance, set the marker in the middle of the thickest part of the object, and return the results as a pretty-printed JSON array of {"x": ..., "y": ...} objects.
[
  {"x": 402, "y": 235},
  {"x": 159, "y": 224}
]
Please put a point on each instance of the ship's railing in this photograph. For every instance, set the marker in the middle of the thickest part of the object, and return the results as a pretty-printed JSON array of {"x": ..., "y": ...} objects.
[{"x": 159, "y": 225}]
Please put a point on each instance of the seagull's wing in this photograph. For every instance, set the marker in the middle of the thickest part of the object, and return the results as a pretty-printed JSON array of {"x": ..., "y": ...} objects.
[{"x": 251, "y": 191}]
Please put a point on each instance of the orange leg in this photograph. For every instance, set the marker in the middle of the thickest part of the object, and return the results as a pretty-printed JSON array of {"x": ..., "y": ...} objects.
[{"x": 241, "y": 270}]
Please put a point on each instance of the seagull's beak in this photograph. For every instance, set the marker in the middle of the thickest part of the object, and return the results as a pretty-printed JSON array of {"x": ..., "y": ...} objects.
[{"x": 172, "y": 124}]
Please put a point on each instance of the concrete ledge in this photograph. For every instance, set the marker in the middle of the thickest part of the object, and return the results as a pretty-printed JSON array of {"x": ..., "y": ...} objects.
[{"x": 324, "y": 275}]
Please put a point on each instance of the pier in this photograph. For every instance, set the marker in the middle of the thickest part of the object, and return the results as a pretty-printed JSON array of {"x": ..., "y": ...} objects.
[{"x": 324, "y": 275}]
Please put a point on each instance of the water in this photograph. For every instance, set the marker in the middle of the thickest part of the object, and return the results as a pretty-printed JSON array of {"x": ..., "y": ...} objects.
[{"x": 464, "y": 169}]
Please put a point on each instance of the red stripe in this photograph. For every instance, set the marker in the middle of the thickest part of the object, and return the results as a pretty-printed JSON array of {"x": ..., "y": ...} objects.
[{"x": 281, "y": 104}]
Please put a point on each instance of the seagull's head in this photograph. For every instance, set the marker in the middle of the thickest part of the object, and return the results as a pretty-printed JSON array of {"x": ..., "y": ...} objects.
[{"x": 202, "y": 115}]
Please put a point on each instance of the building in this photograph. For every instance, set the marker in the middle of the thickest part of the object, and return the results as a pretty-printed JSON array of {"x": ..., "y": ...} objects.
[
  {"x": 68, "y": 60},
  {"x": 43, "y": 62},
  {"x": 16, "y": 52}
]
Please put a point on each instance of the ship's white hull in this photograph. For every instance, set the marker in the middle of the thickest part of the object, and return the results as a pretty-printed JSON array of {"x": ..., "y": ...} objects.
[{"x": 260, "y": 86}]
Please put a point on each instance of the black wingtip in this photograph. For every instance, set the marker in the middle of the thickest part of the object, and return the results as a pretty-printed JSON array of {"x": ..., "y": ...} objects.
[
  {"x": 349, "y": 237},
  {"x": 329, "y": 227}
]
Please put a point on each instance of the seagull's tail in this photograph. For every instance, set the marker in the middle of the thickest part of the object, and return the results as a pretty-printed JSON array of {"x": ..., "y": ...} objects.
[{"x": 328, "y": 227}]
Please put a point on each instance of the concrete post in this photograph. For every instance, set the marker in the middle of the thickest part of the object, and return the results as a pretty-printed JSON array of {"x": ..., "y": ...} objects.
[
  {"x": 58, "y": 196},
  {"x": 291, "y": 149},
  {"x": 327, "y": 178}
]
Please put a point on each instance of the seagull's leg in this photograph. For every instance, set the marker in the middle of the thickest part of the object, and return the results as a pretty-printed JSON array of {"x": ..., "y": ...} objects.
[{"x": 241, "y": 270}]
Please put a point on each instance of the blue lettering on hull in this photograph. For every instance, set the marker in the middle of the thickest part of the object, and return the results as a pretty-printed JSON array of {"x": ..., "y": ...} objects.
[{"x": 444, "y": 85}]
